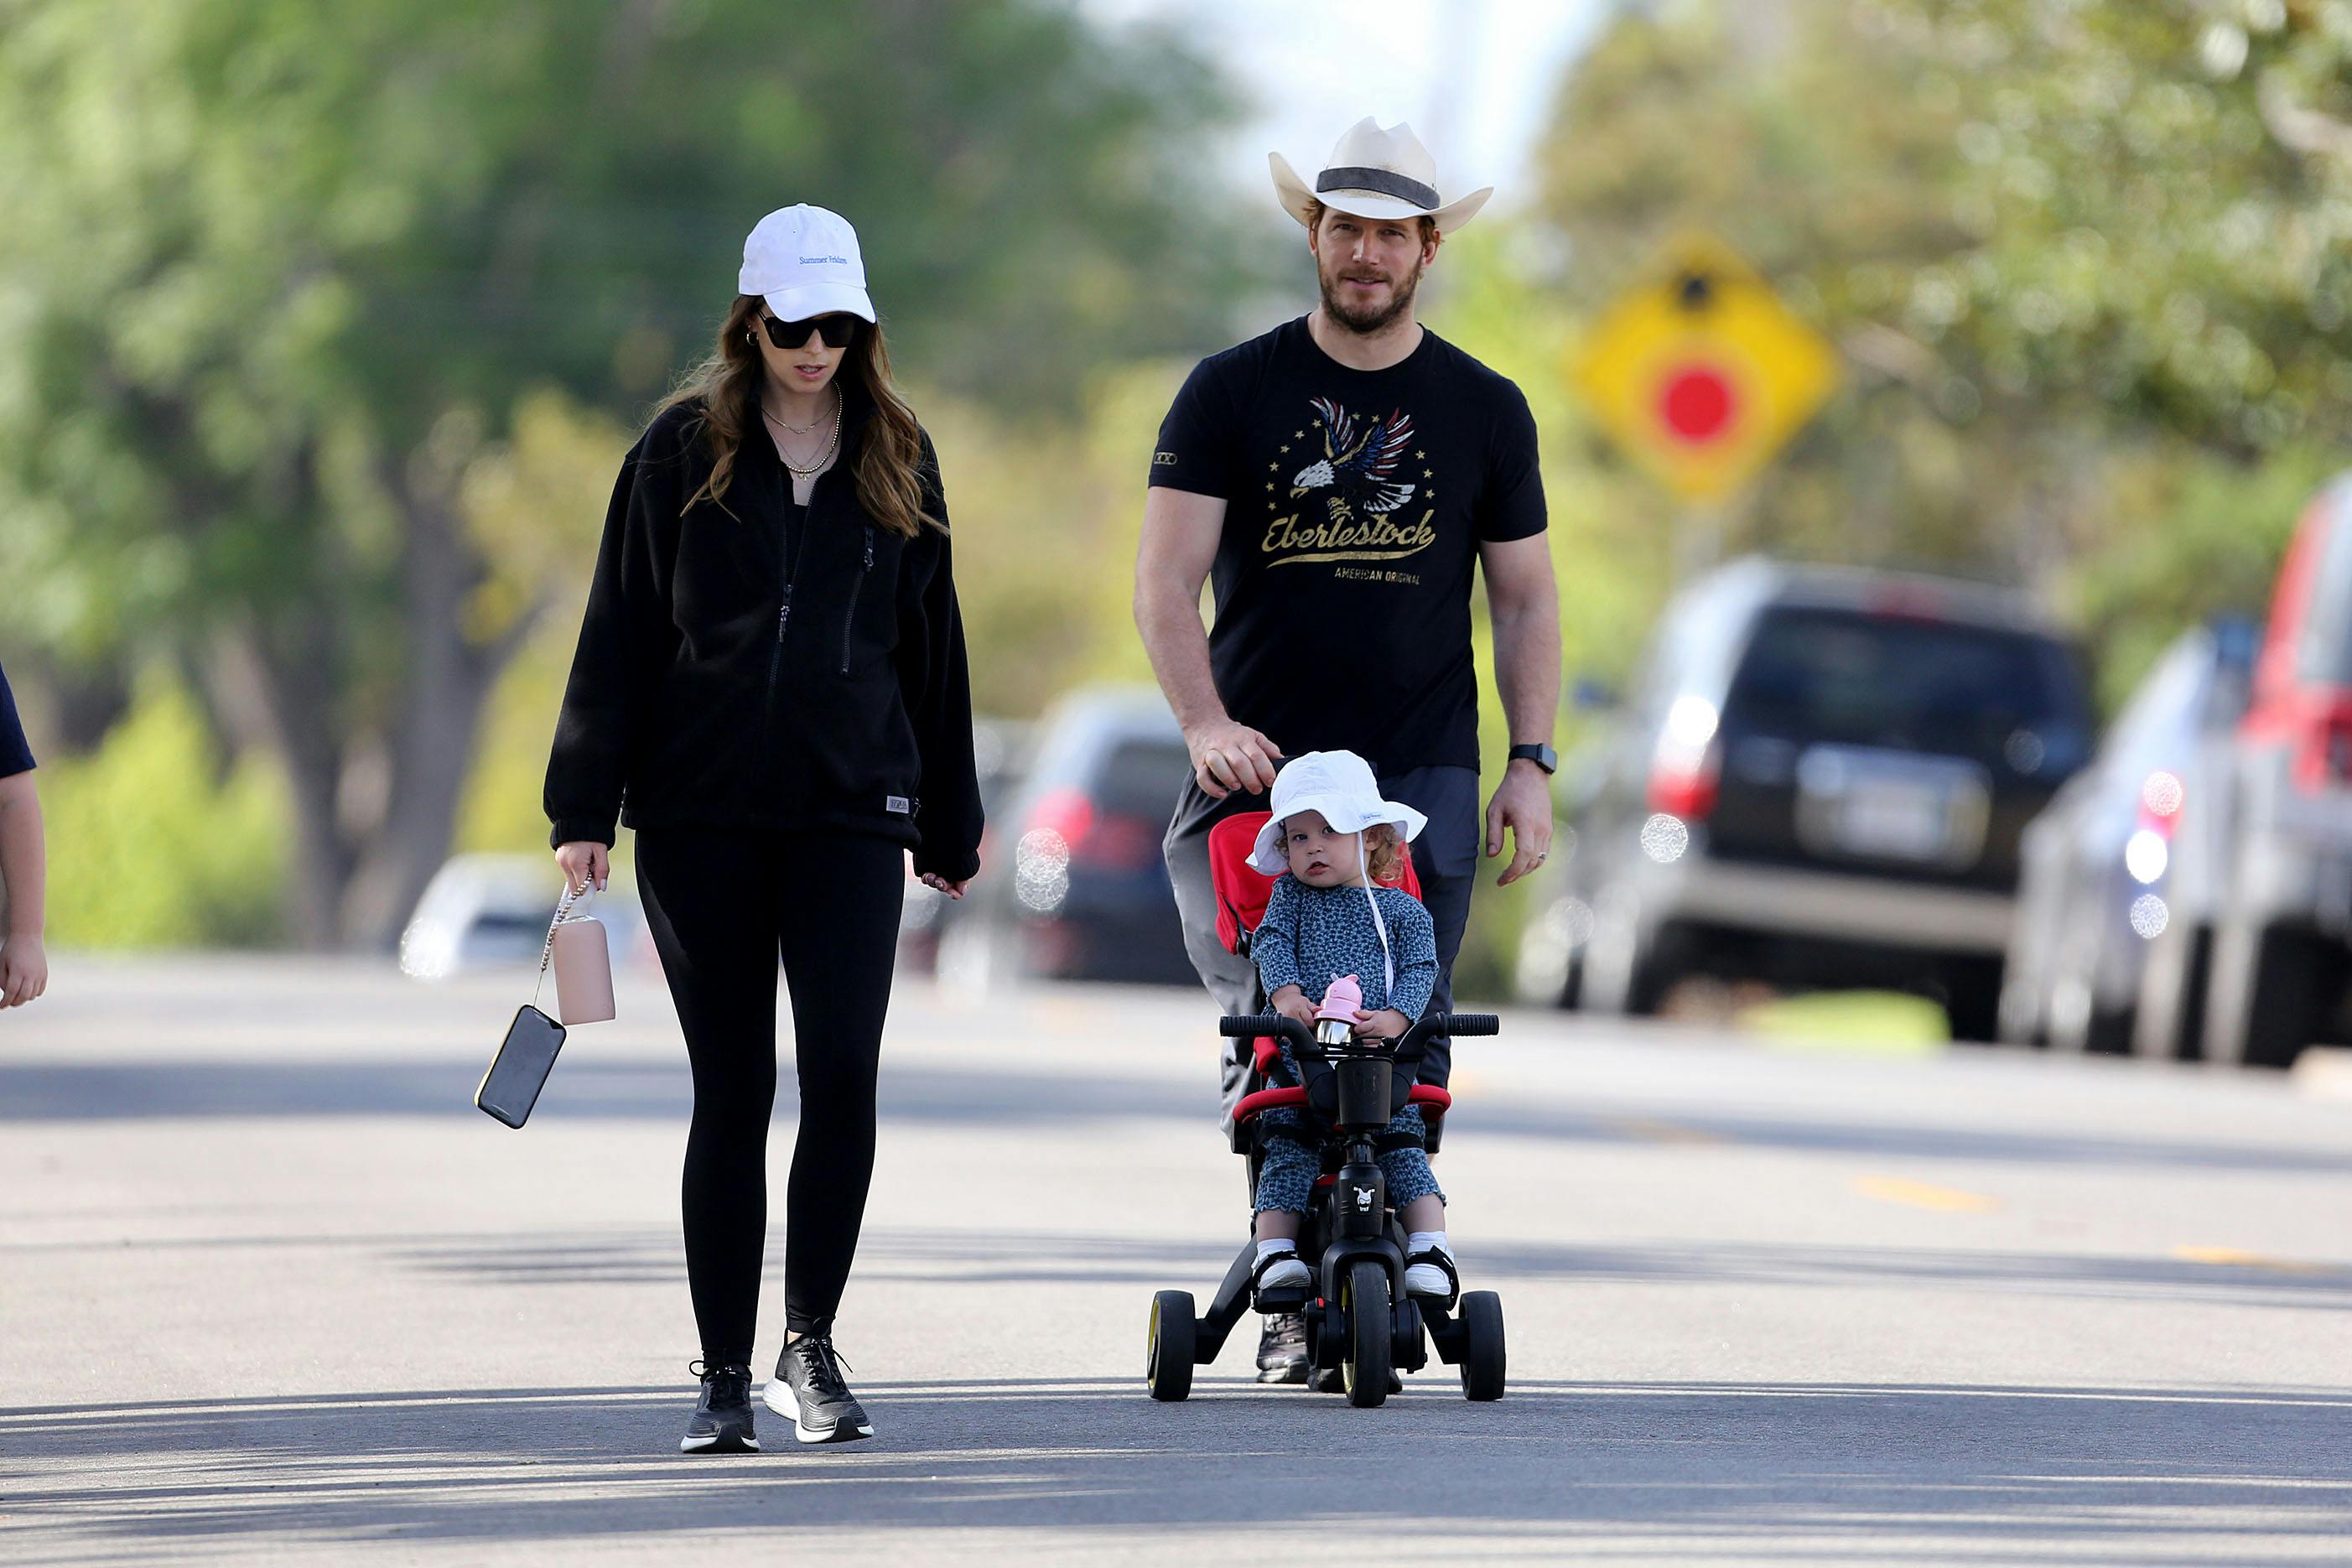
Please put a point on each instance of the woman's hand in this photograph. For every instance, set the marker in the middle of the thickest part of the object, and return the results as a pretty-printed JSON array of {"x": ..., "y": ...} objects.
[
  {"x": 1385, "y": 1024},
  {"x": 583, "y": 862},
  {"x": 939, "y": 884},
  {"x": 1292, "y": 1003},
  {"x": 24, "y": 970}
]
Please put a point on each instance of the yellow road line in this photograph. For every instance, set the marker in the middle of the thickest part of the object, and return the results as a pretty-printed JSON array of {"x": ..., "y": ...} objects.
[
  {"x": 1920, "y": 1194},
  {"x": 2231, "y": 1258}
]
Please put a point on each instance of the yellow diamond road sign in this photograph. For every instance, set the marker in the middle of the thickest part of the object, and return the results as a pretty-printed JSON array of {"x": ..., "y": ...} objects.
[{"x": 1702, "y": 374}]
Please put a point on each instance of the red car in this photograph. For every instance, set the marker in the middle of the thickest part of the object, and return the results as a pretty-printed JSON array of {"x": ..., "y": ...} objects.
[{"x": 2283, "y": 940}]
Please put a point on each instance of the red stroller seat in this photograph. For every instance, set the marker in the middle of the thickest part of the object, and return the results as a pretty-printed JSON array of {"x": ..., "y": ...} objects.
[{"x": 1242, "y": 892}]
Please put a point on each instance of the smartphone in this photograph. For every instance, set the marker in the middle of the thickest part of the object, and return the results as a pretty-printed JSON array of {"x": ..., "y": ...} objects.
[{"x": 520, "y": 1070}]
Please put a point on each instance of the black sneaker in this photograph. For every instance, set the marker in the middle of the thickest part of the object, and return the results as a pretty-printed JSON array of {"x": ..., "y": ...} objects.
[
  {"x": 722, "y": 1422},
  {"x": 1282, "y": 1348},
  {"x": 808, "y": 1388}
]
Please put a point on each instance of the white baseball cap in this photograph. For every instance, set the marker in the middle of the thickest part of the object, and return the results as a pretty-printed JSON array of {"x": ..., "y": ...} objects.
[{"x": 805, "y": 261}]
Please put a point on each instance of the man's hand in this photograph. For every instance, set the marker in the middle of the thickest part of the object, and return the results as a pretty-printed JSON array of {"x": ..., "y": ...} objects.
[
  {"x": 1292, "y": 1003},
  {"x": 1522, "y": 803},
  {"x": 1385, "y": 1024},
  {"x": 24, "y": 970},
  {"x": 939, "y": 884},
  {"x": 1229, "y": 756}
]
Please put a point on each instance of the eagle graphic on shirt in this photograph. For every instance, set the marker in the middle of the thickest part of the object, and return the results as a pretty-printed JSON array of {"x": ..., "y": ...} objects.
[{"x": 1359, "y": 466}]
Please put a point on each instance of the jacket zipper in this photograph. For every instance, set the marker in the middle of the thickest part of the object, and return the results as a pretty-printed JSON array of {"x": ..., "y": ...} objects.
[
  {"x": 790, "y": 553},
  {"x": 850, "y": 620}
]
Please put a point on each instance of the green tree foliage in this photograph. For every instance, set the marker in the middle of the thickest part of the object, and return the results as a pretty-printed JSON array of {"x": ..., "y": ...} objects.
[
  {"x": 2048, "y": 236},
  {"x": 279, "y": 275},
  {"x": 170, "y": 849}
]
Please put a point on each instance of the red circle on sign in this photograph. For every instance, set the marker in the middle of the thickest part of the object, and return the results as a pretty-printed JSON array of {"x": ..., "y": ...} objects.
[{"x": 1697, "y": 402}]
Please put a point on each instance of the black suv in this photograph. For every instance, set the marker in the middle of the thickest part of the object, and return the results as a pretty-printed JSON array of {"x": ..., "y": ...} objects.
[{"x": 1819, "y": 779}]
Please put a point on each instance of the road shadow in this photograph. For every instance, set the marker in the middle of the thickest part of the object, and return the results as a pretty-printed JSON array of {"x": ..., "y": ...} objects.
[
  {"x": 653, "y": 1254},
  {"x": 1016, "y": 1258},
  {"x": 1005, "y": 1095},
  {"x": 1737, "y": 1471}
]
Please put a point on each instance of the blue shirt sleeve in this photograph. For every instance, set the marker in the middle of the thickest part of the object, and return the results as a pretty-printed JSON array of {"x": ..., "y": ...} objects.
[
  {"x": 1274, "y": 945},
  {"x": 1413, "y": 937},
  {"x": 15, "y": 756}
]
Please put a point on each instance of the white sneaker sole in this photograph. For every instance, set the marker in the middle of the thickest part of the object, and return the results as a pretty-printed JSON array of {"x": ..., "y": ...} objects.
[
  {"x": 779, "y": 1397},
  {"x": 704, "y": 1445}
]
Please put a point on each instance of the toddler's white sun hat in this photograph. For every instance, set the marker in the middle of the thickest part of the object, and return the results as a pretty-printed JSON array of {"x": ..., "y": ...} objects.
[
  {"x": 805, "y": 261},
  {"x": 1340, "y": 785}
]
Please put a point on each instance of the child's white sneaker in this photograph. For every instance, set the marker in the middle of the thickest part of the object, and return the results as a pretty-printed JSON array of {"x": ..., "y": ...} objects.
[
  {"x": 1429, "y": 1271},
  {"x": 1280, "y": 1267}
]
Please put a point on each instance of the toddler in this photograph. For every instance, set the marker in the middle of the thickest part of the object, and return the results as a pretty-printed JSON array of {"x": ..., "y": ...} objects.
[{"x": 1334, "y": 848}]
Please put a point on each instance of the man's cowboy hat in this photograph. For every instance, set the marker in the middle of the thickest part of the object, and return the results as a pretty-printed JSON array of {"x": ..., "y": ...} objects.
[{"x": 1376, "y": 173}]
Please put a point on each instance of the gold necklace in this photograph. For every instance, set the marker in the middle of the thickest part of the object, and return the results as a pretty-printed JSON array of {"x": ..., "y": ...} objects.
[
  {"x": 807, "y": 429},
  {"x": 824, "y": 458}
]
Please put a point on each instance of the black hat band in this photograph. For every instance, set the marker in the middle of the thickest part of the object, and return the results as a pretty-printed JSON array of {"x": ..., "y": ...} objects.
[{"x": 1379, "y": 181}]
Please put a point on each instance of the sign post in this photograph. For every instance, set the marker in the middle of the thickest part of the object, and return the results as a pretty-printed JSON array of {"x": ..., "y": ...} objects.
[{"x": 1701, "y": 375}]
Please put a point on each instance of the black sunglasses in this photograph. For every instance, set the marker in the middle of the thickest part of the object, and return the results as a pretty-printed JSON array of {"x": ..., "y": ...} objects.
[{"x": 837, "y": 330}]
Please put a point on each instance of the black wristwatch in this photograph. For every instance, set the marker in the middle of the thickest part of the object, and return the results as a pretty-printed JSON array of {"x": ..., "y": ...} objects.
[{"x": 1543, "y": 756}]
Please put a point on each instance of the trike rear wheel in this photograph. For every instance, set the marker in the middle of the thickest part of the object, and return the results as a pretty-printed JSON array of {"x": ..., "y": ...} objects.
[
  {"x": 1168, "y": 1361},
  {"x": 1481, "y": 1345}
]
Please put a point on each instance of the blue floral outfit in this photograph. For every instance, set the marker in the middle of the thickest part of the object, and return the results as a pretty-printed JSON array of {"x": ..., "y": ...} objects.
[{"x": 1309, "y": 937}]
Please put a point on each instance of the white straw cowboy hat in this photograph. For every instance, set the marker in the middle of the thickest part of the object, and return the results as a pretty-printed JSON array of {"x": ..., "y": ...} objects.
[{"x": 1376, "y": 173}]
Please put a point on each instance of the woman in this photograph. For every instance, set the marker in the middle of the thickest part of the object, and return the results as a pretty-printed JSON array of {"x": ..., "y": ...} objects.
[{"x": 771, "y": 672}]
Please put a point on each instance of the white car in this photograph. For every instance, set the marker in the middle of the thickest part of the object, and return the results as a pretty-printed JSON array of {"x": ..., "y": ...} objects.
[{"x": 486, "y": 911}]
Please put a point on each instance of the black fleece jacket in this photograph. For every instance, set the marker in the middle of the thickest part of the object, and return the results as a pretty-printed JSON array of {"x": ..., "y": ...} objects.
[{"x": 699, "y": 694}]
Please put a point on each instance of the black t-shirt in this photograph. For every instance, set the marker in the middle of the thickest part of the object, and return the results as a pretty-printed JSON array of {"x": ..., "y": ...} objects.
[
  {"x": 15, "y": 756},
  {"x": 1356, "y": 502}
]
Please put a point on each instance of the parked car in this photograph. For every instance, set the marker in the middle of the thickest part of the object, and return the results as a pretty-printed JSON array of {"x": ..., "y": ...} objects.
[
  {"x": 1819, "y": 779},
  {"x": 2123, "y": 860},
  {"x": 2280, "y": 952},
  {"x": 1084, "y": 893},
  {"x": 1000, "y": 756},
  {"x": 481, "y": 911}
]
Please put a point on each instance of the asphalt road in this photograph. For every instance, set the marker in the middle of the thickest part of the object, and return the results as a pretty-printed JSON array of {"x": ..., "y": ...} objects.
[{"x": 270, "y": 1289}]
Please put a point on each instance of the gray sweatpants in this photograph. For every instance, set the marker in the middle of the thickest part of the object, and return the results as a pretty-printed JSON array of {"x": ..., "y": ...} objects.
[{"x": 1446, "y": 859}]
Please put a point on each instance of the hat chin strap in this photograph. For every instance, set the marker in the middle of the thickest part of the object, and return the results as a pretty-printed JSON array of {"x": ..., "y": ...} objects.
[{"x": 1388, "y": 958}]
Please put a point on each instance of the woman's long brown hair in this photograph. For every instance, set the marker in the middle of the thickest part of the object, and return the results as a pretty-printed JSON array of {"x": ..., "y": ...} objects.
[{"x": 889, "y": 456}]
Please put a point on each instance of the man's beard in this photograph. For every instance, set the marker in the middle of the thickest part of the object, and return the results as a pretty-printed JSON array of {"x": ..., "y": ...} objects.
[{"x": 1368, "y": 321}]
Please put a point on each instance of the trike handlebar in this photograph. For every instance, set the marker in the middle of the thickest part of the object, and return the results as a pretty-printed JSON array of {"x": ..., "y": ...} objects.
[{"x": 1410, "y": 1046}]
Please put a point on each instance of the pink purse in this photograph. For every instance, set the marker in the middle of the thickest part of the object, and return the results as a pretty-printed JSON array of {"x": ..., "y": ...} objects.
[
  {"x": 584, "y": 994},
  {"x": 583, "y": 962}
]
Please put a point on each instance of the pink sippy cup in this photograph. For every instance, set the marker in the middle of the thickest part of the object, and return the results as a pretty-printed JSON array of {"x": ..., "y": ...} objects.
[{"x": 1335, "y": 1020}]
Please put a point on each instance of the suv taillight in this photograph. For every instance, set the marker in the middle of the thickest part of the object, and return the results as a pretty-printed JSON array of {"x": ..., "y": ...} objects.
[
  {"x": 2323, "y": 754},
  {"x": 1066, "y": 813},
  {"x": 1686, "y": 769},
  {"x": 1686, "y": 786},
  {"x": 2161, "y": 800}
]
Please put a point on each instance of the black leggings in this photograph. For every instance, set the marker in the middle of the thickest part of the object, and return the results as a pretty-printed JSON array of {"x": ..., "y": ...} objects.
[{"x": 723, "y": 904}]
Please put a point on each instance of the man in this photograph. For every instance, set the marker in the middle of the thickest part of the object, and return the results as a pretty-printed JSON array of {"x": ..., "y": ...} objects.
[{"x": 1342, "y": 476}]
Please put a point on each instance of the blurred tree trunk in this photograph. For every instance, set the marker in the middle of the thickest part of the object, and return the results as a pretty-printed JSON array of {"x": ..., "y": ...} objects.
[{"x": 373, "y": 805}]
